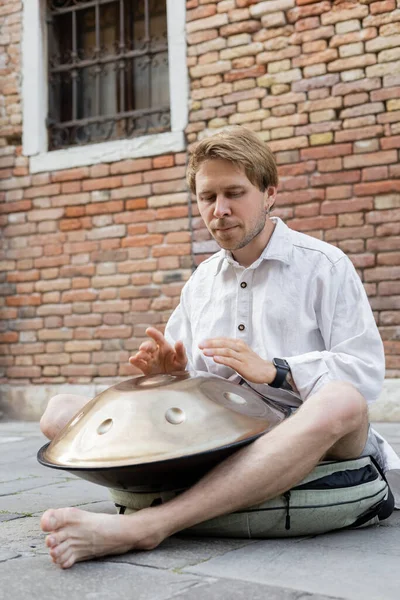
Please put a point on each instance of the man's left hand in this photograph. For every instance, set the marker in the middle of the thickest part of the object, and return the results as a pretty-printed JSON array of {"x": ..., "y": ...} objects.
[{"x": 237, "y": 355}]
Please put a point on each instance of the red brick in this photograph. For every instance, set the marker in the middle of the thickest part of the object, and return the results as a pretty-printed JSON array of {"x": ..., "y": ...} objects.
[
  {"x": 330, "y": 164},
  {"x": 387, "y": 288},
  {"x": 174, "y": 212},
  {"x": 385, "y": 93},
  {"x": 235, "y": 75},
  {"x": 382, "y": 7},
  {"x": 380, "y": 187},
  {"x": 361, "y": 261},
  {"x": 351, "y": 220},
  {"x": 346, "y": 206},
  {"x": 301, "y": 196},
  {"x": 43, "y": 190},
  {"x": 343, "y": 233},
  {"x": 373, "y": 158},
  {"x": 308, "y": 224},
  {"x": 390, "y": 142},
  {"x": 375, "y": 173},
  {"x": 248, "y": 26},
  {"x": 202, "y": 36},
  {"x": 23, "y": 372},
  {"x": 335, "y": 178},
  {"x": 326, "y": 151},
  {"x": 171, "y": 250},
  {"x": 136, "y": 204},
  {"x": 389, "y": 258},
  {"x": 75, "y": 211},
  {"x": 132, "y": 179},
  {"x": 359, "y": 134},
  {"x": 104, "y": 183},
  {"x": 25, "y": 300},
  {"x": 293, "y": 183},
  {"x": 384, "y": 216},
  {"x": 100, "y": 208},
  {"x": 162, "y": 162},
  {"x": 99, "y": 171},
  {"x": 164, "y": 174},
  {"x": 12, "y": 207},
  {"x": 307, "y": 210},
  {"x": 71, "y": 187},
  {"x": 70, "y": 174},
  {"x": 142, "y": 240},
  {"x": 309, "y": 10},
  {"x": 355, "y": 87},
  {"x": 338, "y": 192},
  {"x": 129, "y": 166},
  {"x": 382, "y": 274}
]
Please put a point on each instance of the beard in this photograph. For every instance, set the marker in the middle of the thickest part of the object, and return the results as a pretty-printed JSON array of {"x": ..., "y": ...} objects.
[{"x": 235, "y": 244}]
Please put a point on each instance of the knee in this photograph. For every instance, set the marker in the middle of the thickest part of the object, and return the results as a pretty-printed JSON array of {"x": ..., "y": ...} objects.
[
  {"x": 340, "y": 408},
  {"x": 52, "y": 416}
]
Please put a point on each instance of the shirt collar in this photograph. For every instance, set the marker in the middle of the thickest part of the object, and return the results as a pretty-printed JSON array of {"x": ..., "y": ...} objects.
[{"x": 279, "y": 247}]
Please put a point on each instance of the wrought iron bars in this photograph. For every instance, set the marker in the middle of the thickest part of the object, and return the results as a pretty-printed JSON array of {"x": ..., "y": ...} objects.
[{"x": 106, "y": 60}]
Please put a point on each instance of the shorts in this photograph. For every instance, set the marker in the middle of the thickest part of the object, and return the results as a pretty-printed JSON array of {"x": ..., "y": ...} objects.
[{"x": 372, "y": 448}]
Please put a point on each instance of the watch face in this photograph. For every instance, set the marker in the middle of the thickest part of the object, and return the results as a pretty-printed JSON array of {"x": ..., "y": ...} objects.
[{"x": 280, "y": 362}]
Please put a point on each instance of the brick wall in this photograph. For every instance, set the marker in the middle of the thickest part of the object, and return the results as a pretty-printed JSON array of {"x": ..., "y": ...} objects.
[
  {"x": 91, "y": 256},
  {"x": 320, "y": 82}
]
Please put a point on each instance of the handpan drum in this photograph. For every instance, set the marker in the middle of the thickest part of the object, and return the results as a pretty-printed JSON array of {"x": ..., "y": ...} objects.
[{"x": 160, "y": 432}]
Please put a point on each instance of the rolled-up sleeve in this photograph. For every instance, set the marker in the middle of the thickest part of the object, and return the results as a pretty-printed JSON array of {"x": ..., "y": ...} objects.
[{"x": 354, "y": 349}]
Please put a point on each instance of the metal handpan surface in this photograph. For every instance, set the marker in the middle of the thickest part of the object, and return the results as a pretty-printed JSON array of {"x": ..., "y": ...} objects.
[{"x": 160, "y": 432}]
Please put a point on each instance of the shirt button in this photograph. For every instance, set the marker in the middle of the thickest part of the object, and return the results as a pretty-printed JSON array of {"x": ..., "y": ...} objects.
[
  {"x": 241, "y": 327},
  {"x": 243, "y": 284}
]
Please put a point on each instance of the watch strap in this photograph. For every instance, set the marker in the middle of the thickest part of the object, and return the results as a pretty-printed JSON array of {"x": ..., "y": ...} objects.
[{"x": 282, "y": 369}]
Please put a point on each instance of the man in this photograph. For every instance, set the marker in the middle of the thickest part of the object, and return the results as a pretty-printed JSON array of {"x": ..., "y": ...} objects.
[{"x": 285, "y": 312}]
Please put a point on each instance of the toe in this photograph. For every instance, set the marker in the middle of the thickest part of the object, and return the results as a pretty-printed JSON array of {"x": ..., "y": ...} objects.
[
  {"x": 56, "y": 538},
  {"x": 58, "y": 551},
  {"x": 48, "y": 521},
  {"x": 54, "y": 519}
]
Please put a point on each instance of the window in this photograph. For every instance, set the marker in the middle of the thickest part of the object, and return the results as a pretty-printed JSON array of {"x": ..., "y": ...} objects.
[
  {"x": 102, "y": 81},
  {"x": 108, "y": 70}
]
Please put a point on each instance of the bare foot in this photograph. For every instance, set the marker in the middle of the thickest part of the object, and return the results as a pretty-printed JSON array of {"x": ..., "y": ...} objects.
[{"x": 76, "y": 535}]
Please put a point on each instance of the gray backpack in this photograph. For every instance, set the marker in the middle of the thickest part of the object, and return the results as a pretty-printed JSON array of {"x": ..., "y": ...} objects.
[{"x": 335, "y": 495}]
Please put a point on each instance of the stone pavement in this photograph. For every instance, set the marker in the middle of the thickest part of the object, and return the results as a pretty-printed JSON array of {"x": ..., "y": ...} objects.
[{"x": 354, "y": 565}]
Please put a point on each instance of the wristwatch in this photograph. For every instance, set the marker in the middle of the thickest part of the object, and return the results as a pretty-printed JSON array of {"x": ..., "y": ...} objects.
[{"x": 282, "y": 369}]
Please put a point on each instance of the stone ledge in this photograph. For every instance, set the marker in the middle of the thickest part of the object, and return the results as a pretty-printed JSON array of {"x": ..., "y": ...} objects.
[{"x": 29, "y": 402}]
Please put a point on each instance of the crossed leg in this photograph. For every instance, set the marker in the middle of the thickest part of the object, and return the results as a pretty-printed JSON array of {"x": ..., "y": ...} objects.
[{"x": 333, "y": 423}]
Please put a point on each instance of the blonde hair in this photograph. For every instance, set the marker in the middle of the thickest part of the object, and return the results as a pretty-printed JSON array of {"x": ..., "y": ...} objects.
[{"x": 243, "y": 148}]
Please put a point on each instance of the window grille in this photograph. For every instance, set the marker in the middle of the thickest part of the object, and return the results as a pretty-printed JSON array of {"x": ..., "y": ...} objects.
[{"x": 108, "y": 70}]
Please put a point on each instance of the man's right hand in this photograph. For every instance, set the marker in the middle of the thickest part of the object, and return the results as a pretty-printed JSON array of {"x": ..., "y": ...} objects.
[{"x": 158, "y": 356}]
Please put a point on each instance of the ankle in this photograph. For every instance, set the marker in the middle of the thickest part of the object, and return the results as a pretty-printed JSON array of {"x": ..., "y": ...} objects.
[{"x": 150, "y": 532}]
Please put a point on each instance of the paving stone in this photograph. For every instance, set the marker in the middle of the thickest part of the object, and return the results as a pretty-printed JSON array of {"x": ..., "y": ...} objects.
[
  {"x": 177, "y": 552},
  {"x": 57, "y": 495},
  {"x": 309, "y": 567},
  {"x": 37, "y": 577},
  {"x": 243, "y": 590},
  {"x": 6, "y": 554},
  {"x": 191, "y": 568}
]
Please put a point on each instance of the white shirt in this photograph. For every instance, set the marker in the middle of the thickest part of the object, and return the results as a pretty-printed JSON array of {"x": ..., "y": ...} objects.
[{"x": 302, "y": 300}]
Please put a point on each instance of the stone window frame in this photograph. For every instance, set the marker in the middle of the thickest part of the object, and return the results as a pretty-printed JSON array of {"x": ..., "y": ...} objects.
[{"x": 35, "y": 99}]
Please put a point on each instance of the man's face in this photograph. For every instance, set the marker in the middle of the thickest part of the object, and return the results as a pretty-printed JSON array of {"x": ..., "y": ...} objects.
[{"x": 233, "y": 209}]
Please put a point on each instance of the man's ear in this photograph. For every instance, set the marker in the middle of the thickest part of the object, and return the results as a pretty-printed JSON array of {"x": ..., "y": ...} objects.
[{"x": 270, "y": 197}]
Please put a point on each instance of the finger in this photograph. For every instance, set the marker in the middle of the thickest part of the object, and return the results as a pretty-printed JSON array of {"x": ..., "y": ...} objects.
[
  {"x": 157, "y": 336},
  {"x": 227, "y": 352},
  {"x": 228, "y": 361},
  {"x": 221, "y": 343},
  {"x": 180, "y": 351},
  {"x": 148, "y": 346},
  {"x": 141, "y": 356}
]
